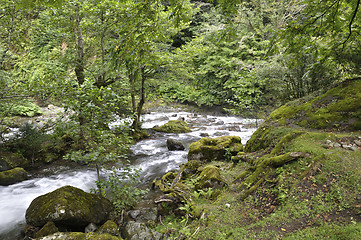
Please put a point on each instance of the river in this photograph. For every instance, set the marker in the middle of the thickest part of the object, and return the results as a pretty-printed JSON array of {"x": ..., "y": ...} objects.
[{"x": 150, "y": 155}]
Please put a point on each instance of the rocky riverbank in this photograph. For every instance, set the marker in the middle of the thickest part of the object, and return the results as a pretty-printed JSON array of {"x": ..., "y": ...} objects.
[{"x": 298, "y": 177}]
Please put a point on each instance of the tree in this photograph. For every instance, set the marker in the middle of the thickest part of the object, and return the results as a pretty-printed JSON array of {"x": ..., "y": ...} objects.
[
  {"x": 138, "y": 48},
  {"x": 335, "y": 23}
]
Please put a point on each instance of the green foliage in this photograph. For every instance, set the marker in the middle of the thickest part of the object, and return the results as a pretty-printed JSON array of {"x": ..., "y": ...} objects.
[
  {"x": 120, "y": 186},
  {"x": 29, "y": 142},
  {"x": 23, "y": 108},
  {"x": 335, "y": 23}
]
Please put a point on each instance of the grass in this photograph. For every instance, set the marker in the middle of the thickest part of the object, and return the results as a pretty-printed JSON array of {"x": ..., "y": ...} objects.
[
  {"x": 296, "y": 178},
  {"x": 315, "y": 194}
]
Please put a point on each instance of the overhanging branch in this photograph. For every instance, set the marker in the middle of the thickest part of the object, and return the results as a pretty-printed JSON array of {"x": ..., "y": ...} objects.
[{"x": 351, "y": 21}]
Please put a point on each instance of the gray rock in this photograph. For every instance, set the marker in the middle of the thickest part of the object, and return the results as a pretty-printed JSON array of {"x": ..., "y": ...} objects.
[
  {"x": 150, "y": 213},
  {"x": 139, "y": 231},
  {"x": 204, "y": 135},
  {"x": 90, "y": 228},
  {"x": 174, "y": 145},
  {"x": 358, "y": 143},
  {"x": 134, "y": 214}
]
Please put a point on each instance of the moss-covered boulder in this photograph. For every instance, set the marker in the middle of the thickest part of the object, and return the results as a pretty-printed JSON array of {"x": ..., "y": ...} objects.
[
  {"x": 9, "y": 160},
  {"x": 109, "y": 227},
  {"x": 80, "y": 236},
  {"x": 174, "y": 126},
  {"x": 190, "y": 168},
  {"x": 13, "y": 176},
  {"x": 68, "y": 207},
  {"x": 339, "y": 108},
  {"x": 164, "y": 184},
  {"x": 47, "y": 229},
  {"x": 219, "y": 149},
  {"x": 210, "y": 177}
]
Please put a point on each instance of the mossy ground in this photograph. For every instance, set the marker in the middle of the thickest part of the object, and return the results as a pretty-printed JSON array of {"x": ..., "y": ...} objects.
[
  {"x": 312, "y": 197},
  {"x": 338, "y": 108},
  {"x": 298, "y": 178}
]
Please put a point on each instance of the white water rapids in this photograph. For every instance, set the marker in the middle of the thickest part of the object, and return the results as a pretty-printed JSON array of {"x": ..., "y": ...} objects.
[{"x": 151, "y": 155}]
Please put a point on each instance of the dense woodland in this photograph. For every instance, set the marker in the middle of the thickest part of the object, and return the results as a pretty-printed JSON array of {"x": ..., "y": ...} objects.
[{"x": 105, "y": 60}]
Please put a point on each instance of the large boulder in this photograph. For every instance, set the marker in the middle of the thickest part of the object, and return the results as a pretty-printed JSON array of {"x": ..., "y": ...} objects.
[
  {"x": 13, "y": 176},
  {"x": 219, "y": 149},
  {"x": 68, "y": 207},
  {"x": 173, "y": 126}
]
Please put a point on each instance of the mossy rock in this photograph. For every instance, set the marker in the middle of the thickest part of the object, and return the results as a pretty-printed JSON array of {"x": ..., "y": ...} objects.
[
  {"x": 139, "y": 135},
  {"x": 80, "y": 236},
  {"x": 164, "y": 184},
  {"x": 68, "y": 207},
  {"x": 9, "y": 160},
  {"x": 266, "y": 137},
  {"x": 339, "y": 108},
  {"x": 109, "y": 227},
  {"x": 190, "y": 168},
  {"x": 241, "y": 156},
  {"x": 47, "y": 229},
  {"x": 174, "y": 126},
  {"x": 215, "y": 149},
  {"x": 13, "y": 176},
  {"x": 210, "y": 177}
]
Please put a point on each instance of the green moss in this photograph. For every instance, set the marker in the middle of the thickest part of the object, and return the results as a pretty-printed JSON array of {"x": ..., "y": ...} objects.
[
  {"x": 174, "y": 126},
  {"x": 210, "y": 149},
  {"x": 139, "y": 135},
  {"x": 13, "y": 176},
  {"x": 210, "y": 177},
  {"x": 164, "y": 184},
  {"x": 285, "y": 140},
  {"x": 47, "y": 229},
  {"x": 109, "y": 227},
  {"x": 266, "y": 137},
  {"x": 190, "y": 168},
  {"x": 13, "y": 160},
  {"x": 339, "y": 108},
  {"x": 68, "y": 206}
]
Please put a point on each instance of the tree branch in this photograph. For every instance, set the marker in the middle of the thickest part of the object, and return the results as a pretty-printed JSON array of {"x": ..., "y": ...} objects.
[{"x": 351, "y": 21}]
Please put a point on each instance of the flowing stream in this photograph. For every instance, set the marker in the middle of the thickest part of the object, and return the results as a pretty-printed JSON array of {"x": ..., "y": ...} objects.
[{"x": 150, "y": 155}]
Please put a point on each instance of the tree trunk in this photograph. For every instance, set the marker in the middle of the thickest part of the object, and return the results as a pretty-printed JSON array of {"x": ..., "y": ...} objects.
[
  {"x": 79, "y": 66},
  {"x": 136, "y": 123},
  {"x": 79, "y": 70}
]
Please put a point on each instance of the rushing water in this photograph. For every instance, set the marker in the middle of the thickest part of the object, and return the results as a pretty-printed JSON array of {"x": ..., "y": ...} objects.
[{"x": 151, "y": 155}]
